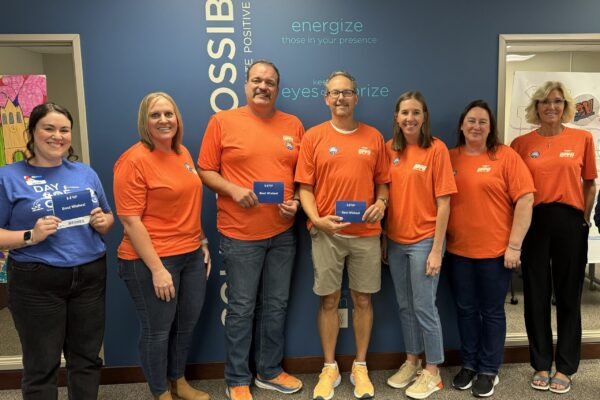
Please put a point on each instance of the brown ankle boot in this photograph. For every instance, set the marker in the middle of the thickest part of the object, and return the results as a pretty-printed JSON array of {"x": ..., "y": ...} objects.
[
  {"x": 165, "y": 396},
  {"x": 182, "y": 389}
]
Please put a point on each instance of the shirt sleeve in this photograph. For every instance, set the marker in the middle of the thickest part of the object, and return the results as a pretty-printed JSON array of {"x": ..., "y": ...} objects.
[
  {"x": 589, "y": 171},
  {"x": 6, "y": 209},
  {"x": 130, "y": 189},
  {"x": 517, "y": 176},
  {"x": 100, "y": 194},
  {"x": 209, "y": 158},
  {"x": 382, "y": 166},
  {"x": 305, "y": 170},
  {"x": 443, "y": 177}
]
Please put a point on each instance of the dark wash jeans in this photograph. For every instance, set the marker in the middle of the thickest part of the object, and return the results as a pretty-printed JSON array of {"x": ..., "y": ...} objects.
[
  {"x": 480, "y": 287},
  {"x": 259, "y": 273},
  {"x": 58, "y": 309},
  {"x": 166, "y": 328}
]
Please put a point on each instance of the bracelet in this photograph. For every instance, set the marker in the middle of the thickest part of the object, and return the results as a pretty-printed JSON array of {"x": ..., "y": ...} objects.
[
  {"x": 513, "y": 248},
  {"x": 204, "y": 241},
  {"x": 383, "y": 200}
]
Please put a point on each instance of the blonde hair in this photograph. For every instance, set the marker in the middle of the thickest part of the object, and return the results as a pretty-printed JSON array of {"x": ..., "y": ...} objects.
[
  {"x": 542, "y": 93},
  {"x": 143, "y": 115}
]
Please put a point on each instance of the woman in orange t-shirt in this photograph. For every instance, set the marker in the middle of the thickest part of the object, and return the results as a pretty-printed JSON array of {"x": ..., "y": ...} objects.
[
  {"x": 562, "y": 161},
  {"x": 163, "y": 258},
  {"x": 420, "y": 189},
  {"x": 490, "y": 215}
]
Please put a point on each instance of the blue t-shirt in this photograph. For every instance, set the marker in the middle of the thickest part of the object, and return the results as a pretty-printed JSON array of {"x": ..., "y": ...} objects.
[{"x": 26, "y": 195}]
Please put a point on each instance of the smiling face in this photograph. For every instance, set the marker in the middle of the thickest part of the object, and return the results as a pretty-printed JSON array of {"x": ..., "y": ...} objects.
[
  {"x": 550, "y": 109},
  {"x": 261, "y": 87},
  {"x": 340, "y": 105},
  {"x": 476, "y": 128},
  {"x": 410, "y": 118},
  {"x": 162, "y": 123},
  {"x": 51, "y": 139}
]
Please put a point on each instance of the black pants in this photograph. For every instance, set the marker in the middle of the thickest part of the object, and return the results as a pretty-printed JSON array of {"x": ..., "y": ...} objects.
[
  {"x": 554, "y": 256},
  {"x": 58, "y": 309}
]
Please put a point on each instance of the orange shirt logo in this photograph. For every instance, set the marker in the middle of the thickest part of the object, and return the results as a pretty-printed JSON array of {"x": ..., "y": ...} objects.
[
  {"x": 567, "y": 154},
  {"x": 288, "y": 142},
  {"x": 364, "y": 151},
  {"x": 420, "y": 167},
  {"x": 484, "y": 168}
]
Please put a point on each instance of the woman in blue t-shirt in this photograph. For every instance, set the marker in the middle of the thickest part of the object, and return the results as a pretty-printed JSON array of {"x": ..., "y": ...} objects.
[{"x": 52, "y": 215}]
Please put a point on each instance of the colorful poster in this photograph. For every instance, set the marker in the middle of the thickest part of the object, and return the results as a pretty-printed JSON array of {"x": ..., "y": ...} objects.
[{"x": 19, "y": 94}]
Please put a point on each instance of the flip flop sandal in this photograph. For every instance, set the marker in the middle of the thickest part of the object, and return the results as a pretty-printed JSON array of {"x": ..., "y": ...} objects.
[
  {"x": 566, "y": 383},
  {"x": 541, "y": 378}
]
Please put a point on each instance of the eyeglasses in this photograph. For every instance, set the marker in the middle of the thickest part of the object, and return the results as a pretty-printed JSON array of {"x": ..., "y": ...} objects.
[
  {"x": 344, "y": 93},
  {"x": 556, "y": 102}
]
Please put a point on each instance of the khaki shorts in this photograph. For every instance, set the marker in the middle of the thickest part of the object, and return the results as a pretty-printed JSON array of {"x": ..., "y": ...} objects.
[{"x": 361, "y": 255}]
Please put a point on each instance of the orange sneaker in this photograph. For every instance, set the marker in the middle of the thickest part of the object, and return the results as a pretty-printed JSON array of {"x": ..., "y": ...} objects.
[
  {"x": 238, "y": 393},
  {"x": 283, "y": 383}
]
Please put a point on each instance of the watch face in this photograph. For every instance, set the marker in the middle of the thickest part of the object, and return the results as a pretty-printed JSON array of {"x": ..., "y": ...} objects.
[{"x": 27, "y": 236}]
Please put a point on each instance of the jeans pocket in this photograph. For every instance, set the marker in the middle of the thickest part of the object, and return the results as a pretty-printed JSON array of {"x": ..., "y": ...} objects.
[{"x": 23, "y": 266}]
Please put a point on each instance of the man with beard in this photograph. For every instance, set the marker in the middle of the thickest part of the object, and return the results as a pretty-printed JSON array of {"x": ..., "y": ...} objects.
[
  {"x": 343, "y": 176},
  {"x": 248, "y": 157}
]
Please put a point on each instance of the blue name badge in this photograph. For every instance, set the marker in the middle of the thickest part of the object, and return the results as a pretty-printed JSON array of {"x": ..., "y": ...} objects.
[
  {"x": 269, "y": 192},
  {"x": 73, "y": 208},
  {"x": 351, "y": 211}
]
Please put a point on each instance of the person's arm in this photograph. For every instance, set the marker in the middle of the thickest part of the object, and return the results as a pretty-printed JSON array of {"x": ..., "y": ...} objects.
[
  {"x": 376, "y": 211},
  {"x": 329, "y": 223},
  {"x": 43, "y": 228},
  {"x": 589, "y": 193},
  {"x": 101, "y": 221},
  {"x": 520, "y": 225},
  {"x": 245, "y": 197},
  {"x": 434, "y": 260},
  {"x": 140, "y": 239}
]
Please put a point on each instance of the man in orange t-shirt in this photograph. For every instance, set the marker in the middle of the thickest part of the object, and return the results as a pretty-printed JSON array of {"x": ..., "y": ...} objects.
[
  {"x": 343, "y": 170},
  {"x": 248, "y": 157}
]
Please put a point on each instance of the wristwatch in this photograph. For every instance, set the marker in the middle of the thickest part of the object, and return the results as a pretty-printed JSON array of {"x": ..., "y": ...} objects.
[{"x": 28, "y": 237}]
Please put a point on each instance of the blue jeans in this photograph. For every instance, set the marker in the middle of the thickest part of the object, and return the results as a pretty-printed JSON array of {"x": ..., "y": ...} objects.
[
  {"x": 479, "y": 287},
  {"x": 259, "y": 273},
  {"x": 58, "y": 309},
  {"x": 166, "y": 328},
  {"x": 416, "y": 294}
]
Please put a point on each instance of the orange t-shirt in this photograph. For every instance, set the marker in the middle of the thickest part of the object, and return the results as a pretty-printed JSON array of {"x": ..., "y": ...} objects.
[
  {"x": 482, "y": 210},
  {"x": 558, "y": 164},
  {"x": 419, "y": 177},
  {"x": 245, "y": 149},
  {"x": 343, "y": 166},
  {"x": 165, "y": 190}
]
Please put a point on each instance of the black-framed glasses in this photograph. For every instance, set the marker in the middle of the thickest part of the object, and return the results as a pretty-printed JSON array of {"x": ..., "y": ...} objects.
[
  {"x": 343, "y": 93},
  {"x": 556, "y": 102}
]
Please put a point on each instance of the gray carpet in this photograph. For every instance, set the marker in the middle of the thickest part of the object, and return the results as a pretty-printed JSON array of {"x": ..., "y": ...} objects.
[{"x": 514, "y": 384}]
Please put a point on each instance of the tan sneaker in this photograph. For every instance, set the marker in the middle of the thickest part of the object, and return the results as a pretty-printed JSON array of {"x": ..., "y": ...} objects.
[
  {"x": 238, "y": 393},
  {"x": 405, "y": 375},
  {"x": 363, "y": 388},
  {"x": 182, "y": 389},
  {"x": 328, "y": 380},
  {"x": 425, "y": 385}
]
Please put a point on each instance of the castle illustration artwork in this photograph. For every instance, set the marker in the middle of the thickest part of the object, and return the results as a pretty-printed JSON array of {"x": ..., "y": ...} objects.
[{"x": 19, "y": 94}]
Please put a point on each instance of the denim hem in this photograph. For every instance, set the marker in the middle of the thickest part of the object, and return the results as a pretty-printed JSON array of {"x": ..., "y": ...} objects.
[{"x": 237, "y": 384}]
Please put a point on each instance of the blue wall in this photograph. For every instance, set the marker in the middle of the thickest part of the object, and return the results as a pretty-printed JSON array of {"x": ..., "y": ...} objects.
[{"x": 446, "y": 49}]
